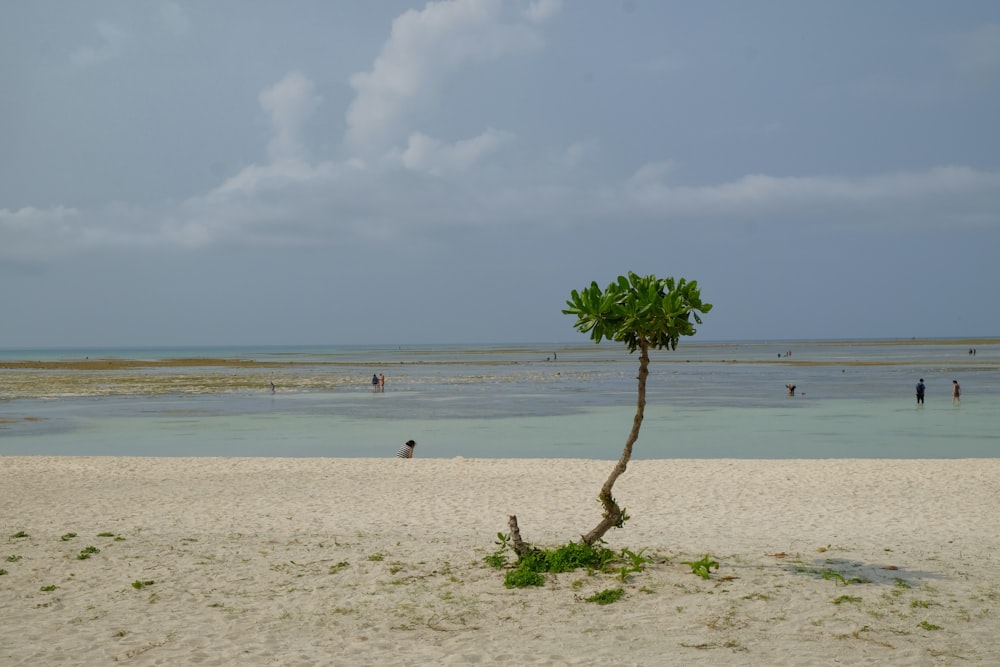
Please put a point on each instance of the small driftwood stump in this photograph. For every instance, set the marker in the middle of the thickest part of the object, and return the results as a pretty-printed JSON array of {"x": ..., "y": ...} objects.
[{"x": 520, "y": 548}]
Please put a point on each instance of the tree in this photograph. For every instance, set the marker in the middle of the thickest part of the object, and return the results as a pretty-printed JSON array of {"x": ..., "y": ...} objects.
[{"x": 644, "y": 312}]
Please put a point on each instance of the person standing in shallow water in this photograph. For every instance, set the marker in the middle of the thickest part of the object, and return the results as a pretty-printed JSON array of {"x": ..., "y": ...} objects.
[
  {"x": 956, "y": 392},
  {"x": 920, "y": 392}
]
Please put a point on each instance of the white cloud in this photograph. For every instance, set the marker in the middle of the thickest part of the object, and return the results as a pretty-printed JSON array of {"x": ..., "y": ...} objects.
[
  {"x": 290, "y": 103},
  {"x": 424, "y": 49},
  {"x": 33, "y": 233},
  {"x": 434, "y": 157},
  {"x": 651, "y": 175},
  {"x": 575, "y": 154},
  {"x": 957, "y": 192},
  {"x": 112, "y": 38}
]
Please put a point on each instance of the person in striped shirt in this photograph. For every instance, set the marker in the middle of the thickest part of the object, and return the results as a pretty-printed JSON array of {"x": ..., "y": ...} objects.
[{"x": 406, "y": 451}]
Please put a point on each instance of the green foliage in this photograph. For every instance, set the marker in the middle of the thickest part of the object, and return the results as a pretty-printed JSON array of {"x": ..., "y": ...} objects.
[
  {"x": 703, "y": 567},
  {"x": 338, "y": 567},
  {"x": 837, "y": 577},
  {"x": 521, "y": 577},
  {"x": 929, "y": 626},
  {"x": 139, "y": 585},
  {"x": 48, "y": 589},
  {"x": 846, "y": 598},
  {"x": 573, "y": 556},
  {"x": 498, "y": 558},
  {"x": 13, "y": 559},
  {"x": 607, "y": 596},
  {"x": 2, "y": 571},
  {"x": 86, "y": 553},
  {"x": 636, "y": 562},
  {"x": 19, "y": 534},
  {"x": 569, "y": 557},
  {"x": 67, "y": 537},
  {"x": 105, "y": 534},
  {"x": 636, "y": 309}
]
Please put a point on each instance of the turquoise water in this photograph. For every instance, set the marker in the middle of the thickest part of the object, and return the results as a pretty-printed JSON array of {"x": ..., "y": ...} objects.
[{"x": 710, "y": 400}]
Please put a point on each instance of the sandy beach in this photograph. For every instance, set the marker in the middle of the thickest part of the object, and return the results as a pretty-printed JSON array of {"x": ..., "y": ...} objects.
[{"x": 267, "y": 561}]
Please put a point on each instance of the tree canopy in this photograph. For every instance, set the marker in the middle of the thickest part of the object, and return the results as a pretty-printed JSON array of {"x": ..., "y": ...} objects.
[{"x": 638, "y": 310}]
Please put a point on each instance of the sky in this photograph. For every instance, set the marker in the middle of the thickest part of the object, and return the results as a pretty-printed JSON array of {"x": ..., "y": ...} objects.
[{"x": 242, "y": 172}]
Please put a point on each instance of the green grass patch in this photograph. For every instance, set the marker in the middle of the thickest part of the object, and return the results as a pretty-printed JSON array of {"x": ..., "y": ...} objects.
[
  {"x": 18, "y": 535},
  {"x": 496, "y": 560},
  {"x": 847, "y": 598},
  {"x": 569, "y": 557},
  {"x": 703, "y": 567},
  {"x": 607, "y": 596},
  {"x": 929, "y": 626},
  {"x": 48, "y": 589},
  {"x": 87, "y": 553},
  {"x": 139, "y": 585},
  {"x": 67, "y": 537},
  {"x": 522, "y": 578}
]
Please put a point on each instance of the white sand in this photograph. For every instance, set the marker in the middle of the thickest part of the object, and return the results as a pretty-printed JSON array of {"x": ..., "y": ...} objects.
[{"x": 380, "y": 562}]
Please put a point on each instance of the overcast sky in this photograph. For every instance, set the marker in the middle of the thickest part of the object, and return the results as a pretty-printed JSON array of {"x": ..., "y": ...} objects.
[{"x": 242, "y": 172}]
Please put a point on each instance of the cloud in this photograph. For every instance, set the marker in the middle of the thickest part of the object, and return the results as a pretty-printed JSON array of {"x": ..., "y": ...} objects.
[
  {"x": 962, "y": 194},
  {"x": 290, "y": 103},
  {"x": 112, "y": 38},
  {"x": 575, "y": 154},
  {"x": 424, "y": 49},
  {"x": 434, "y": 157},
  {"x": 33, "y": 233},
  {"x": 295, "y": 203}
]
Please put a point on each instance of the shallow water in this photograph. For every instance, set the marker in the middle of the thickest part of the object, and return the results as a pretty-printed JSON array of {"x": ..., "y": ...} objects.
[{"x": 721, "y": 400}]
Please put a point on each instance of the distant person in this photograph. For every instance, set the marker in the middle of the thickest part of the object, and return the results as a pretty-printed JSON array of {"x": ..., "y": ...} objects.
[
  {"x": 406, "y": 451},
  {"x": 381, "y": 382},
  {"x": 791, "y": 389},
  {"x": 273, "y": 388},
  {"x": 956, "y": 392},
  {"x": 920, "y": 392},
  {"x": 374, "y": 382}
]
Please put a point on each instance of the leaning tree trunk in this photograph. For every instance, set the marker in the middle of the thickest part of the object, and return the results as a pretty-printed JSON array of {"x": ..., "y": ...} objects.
[{"x": 612, "y": 512}]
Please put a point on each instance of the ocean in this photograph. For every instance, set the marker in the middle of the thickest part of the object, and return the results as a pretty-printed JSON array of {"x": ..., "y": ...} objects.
[{"x": 854, "y": 399}]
